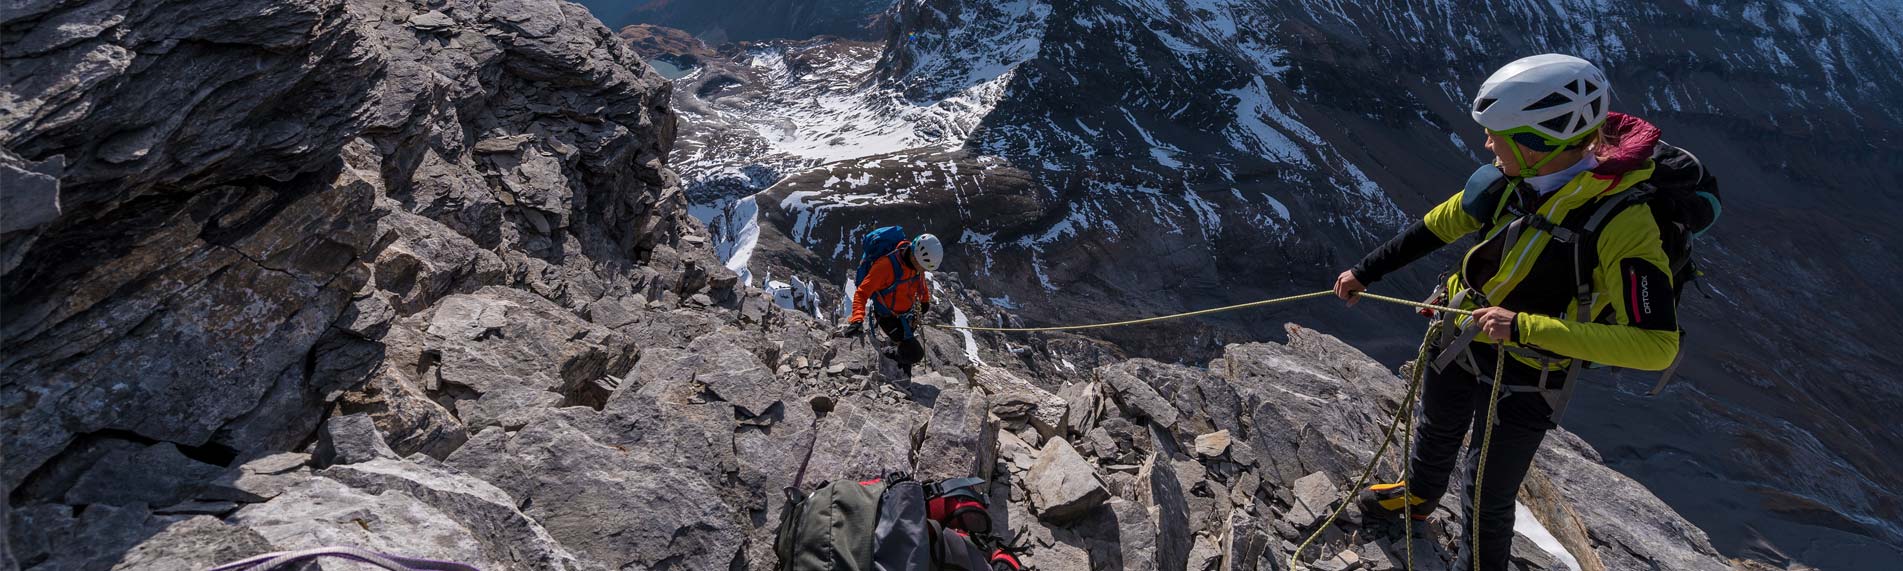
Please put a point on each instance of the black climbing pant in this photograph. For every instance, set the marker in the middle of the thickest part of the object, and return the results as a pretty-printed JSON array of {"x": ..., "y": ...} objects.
[
  {"x": 1452, "y": 402},
  {"x": 906, "y": 348}
]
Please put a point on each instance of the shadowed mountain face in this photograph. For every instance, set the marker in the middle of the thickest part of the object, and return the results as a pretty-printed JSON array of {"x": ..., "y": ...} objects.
[
  {"x": 720, "y": 21},
  {"x": 1100, "y": 159}
]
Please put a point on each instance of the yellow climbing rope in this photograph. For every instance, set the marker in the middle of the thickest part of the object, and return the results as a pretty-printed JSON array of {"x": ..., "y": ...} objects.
[
  {"x": 1480, "y": 461},
  {"x": 1272, "y": 301}
]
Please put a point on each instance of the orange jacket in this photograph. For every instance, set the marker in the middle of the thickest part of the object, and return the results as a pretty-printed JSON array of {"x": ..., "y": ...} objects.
[{"x": 912, "y": 288}]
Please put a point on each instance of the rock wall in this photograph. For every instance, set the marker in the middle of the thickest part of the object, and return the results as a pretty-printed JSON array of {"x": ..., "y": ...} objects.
[{"x": 414, "y": 276}]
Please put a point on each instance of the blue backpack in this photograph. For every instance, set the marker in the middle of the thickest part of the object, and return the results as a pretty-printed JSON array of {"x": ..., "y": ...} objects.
[{"x": 882, "y": 243}]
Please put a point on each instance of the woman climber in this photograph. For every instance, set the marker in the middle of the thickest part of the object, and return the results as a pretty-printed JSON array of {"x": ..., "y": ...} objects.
[{"x": 1566, "y": 271}]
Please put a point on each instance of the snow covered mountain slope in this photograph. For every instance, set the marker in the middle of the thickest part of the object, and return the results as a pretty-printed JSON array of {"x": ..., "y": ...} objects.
[{"x": 1141, "y": 156}]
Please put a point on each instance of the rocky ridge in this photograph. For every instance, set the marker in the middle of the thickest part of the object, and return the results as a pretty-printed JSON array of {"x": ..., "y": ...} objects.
[{"x": 416, "y": 276}]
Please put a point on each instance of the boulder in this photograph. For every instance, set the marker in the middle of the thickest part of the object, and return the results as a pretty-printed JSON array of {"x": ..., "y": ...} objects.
[
  {"x": 490, "y": 514},
  {"x": 1213, "y": 444},
  {"x": 1016, "y": 398},
  {"x": 53, "y": 536},
  {"x": 1162, "y": 492},
  {"x": 1625, "y": 519},
  {"x": 350, "y": 439},
  {"x": 959, "y": 437},
  {"x": 1063, "y": 485},
  {"x": 611, "y": 506},
  {"x": 1245, "y": 544},
  {"x": 195, "y": 544},
  {"x": 1084, "y": 406},
  {"x": 1315, "y": 497},
  {"x": 320, "y": 512},
  {"x": 1127, "y": 382},
  {"x": 1136, "y": 536},
  {"x": 510, "y": 353}
]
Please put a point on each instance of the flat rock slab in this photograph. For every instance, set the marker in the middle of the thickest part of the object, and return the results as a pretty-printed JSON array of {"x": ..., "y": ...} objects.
[
  {"x": 195, "y": 544},
  {"x": 350, "y": 439},
  {"x": 1213, "y": 444},
  {"x": 1063, "y": 485},
  {"x": 320, "y": 512},
  {"x": 1315, "y": 496},
  {"x": 960, "y": 438}
]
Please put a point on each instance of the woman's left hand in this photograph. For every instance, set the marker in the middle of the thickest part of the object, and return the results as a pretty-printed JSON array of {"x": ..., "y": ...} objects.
[{"x": 1496, "y": 322}]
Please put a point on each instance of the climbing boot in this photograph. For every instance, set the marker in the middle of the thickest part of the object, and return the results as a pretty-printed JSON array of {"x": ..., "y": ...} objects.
[{"x": 1389, "y": 501}]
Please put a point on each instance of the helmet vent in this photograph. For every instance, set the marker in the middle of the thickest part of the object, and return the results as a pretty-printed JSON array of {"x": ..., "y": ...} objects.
[
  {"x": 1591, "y": 87},
  {"x": 1557, "y": 124},
  {"x": 1579, "y": 86},
  {"x": 1594, "y": 105},
  {"x": 1551, "y": 100},
  {"x": 1484, "y": 102}
]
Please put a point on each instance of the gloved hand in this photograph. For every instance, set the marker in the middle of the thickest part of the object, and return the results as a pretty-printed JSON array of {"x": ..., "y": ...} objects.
[
  {"x": 924, "y": 307},
  {"x": 852, "y": 329}
]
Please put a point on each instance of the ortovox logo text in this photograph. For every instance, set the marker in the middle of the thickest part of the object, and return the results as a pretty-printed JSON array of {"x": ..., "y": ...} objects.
[{"x": 1645, "y": 295}]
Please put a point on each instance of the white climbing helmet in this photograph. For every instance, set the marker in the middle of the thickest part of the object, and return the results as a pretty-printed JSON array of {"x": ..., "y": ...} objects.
[
  {"x": 1559, "y": 97},
  {"x": 927, "y": 252}
]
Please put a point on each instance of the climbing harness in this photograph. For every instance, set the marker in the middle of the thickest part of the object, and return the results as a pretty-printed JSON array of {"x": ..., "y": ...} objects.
[{"x": 1273, "y": 301}]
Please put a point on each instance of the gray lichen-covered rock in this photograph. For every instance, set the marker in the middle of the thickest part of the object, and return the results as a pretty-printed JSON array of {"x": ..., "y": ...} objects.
[
  {"x": 611, "y": 506},
  {"x": 1315, "y": 498},
  {"x": 195, "y": 544},
  {"x": 243, "y": 228},
  {"x": 1128, "y": 382},
  {"x": 320, "y": 512},
  {"x": 1063, "y": 485},
  {"x": 350, "y": 439},
  {"x": 1163, "y": 493},
  {"x": 507, "y": 534},
  {"x": 960, "y": 438}
]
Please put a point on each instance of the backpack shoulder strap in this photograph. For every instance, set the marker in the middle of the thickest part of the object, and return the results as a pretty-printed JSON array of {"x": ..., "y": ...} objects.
[
  {"x": 1586, "y": 241},
  {"x": 942, "y": 487}
]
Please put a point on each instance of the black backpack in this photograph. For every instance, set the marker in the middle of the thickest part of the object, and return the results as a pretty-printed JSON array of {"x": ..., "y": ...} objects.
[{"x": 1685, "y": 204}]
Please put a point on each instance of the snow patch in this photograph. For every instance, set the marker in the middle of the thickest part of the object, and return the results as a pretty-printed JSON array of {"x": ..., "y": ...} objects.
[{"x": 1525, "y": 524}]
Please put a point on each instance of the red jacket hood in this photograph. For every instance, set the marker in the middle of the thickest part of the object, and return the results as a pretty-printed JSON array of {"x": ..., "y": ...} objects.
[{"x": 1631, "y": 140}]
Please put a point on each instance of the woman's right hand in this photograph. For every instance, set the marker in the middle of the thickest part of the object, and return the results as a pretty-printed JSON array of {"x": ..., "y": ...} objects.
[{"x": 1347, "y": 286}]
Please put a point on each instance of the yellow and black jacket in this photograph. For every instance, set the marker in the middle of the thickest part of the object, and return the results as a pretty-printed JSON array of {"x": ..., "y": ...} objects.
[{"x": 1518, "y": 263}]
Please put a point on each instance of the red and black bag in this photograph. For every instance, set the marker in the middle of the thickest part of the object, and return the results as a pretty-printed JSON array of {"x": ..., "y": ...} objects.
[
  {"x": 961, "y": 507},
  {"x": 890, "y": 524}
]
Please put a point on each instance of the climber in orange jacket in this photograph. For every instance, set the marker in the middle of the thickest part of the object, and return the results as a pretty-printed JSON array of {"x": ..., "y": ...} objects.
[{"x": 894, "y": 282}]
